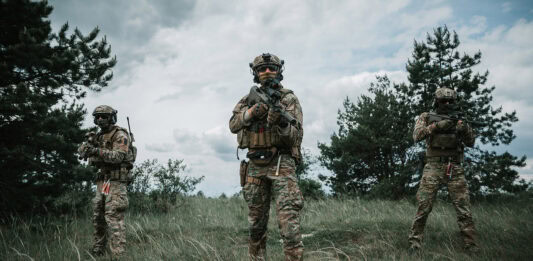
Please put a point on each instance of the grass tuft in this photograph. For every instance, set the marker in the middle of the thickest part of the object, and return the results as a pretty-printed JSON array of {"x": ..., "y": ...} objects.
[{"x": 216, "y": 229}]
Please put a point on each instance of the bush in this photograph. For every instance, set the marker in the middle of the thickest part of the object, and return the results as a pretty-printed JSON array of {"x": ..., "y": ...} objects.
[
  {"x": 311, "y": 188},
  {"x": 158, "y": 187}
]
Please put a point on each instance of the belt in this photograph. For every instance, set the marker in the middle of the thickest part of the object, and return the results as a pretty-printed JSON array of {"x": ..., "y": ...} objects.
[
  {"x": 113, "y": 174},
  {"x": 260, "y": 154},
  {"x": 444, "y": 159}
]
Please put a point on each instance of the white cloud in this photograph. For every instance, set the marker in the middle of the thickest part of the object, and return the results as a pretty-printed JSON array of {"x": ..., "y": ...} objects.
[
  {"x": 507, "y": 7},
  {"x": 508, "y": 56},
  {"x": 160, "y": 147}
]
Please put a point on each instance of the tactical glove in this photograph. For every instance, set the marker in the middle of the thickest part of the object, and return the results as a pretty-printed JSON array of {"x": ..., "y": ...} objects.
[
  {"x": 258, "y": 110},
  {"x": 461, "y": 127},
  {"x": 273, "y": 117},
  {"x": 444, "y": 124},
  {"x": 87, "y": 150}
]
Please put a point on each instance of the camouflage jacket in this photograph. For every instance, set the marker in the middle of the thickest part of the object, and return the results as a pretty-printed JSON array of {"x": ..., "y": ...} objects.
[
  {"x": 290, "y": 140},
  {"x": 422, "y": 131},
  {"x": 113, "y": 147}
]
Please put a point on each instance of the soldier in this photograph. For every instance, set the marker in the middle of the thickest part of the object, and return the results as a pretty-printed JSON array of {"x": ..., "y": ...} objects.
[
  {"x": 273, "y": 145},
  {"x": 110, "y": 151},
  {"x": 445, "y": 141}
]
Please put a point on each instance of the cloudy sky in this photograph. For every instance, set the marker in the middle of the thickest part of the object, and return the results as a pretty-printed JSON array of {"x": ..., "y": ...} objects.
[{"x": 182, "y": 64}]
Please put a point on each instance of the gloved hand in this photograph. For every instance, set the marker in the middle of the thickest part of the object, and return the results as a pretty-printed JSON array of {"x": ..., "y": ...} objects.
[
  {"x": 87, "y": 150},
  {"x": 273, "y": 117},
  {"x": 258, "y": 110},
  {"x": 444, "y": 124},
  {"x": 461, "y": 127}
]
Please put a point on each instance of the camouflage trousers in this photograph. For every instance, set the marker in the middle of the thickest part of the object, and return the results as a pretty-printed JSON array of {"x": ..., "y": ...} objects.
[
  {"x": 433, "y": 177},
  {"x": 261, "y": 184},
  {"x": 108, "y": 218}
]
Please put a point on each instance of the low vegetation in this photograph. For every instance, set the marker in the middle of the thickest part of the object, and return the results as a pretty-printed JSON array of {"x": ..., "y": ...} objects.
[{"x": 333, "y": 229}]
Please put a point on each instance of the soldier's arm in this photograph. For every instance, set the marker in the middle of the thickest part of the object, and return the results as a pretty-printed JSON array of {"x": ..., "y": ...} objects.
[
  {"x": 237, "y": 120},
  {"x": 291, "y": 134},
  {"x": 116, "y": 155},
  {"x": 468, "y": 136},
  {"x": 422, "y": 129}
]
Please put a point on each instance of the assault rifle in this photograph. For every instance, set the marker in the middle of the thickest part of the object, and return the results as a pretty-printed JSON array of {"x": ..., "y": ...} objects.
[
  {"x": 271, "y": 98},
  {"x": 133, "y": 155},
  {"x": 433, "y": 117},
  {"x": 90, "y": 140},
  {"x": 129, "y": 130}
]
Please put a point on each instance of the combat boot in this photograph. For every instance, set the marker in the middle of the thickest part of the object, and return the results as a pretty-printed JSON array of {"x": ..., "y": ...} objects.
[
  {"x": 97, "y": 252},
  {"x": 472, "y": 249},
  {"x": 414, "y": 249}
]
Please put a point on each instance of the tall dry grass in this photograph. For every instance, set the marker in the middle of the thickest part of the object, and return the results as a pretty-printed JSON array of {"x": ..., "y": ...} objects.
[{"x": 216, "y": 229}]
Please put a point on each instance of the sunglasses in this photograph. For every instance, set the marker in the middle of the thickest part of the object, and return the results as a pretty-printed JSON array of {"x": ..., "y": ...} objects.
[
  {"x": 271, "y": 68},
  {"x": 101, "y": 116},
  {"x": 446, "y": 101}
]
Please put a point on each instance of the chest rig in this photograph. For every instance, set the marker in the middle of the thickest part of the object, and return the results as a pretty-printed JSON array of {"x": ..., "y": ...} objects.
[
  {"x": 119, "y": 171},
  {"x": 105, "y": 141},
  {"x": 444, "y": 143},
  {"x": 261, "y": 140}
]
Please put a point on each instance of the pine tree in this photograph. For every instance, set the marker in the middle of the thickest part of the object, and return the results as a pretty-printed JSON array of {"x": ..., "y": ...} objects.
[
  {"x": 373, "y": 152},
  {"x": 43, "y": 76},
  {"x": 370, "y": 154}
]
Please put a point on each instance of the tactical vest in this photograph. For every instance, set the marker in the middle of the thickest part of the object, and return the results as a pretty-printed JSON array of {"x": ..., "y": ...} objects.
[
  {"x": 444, "y": 144},
  {"x": 259, "y": 138},
  {"x": 106, "y": 141}
]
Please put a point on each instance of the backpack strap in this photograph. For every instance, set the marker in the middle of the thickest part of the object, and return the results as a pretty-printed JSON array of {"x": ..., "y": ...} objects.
[
  {"x": 285, "y": 91},
  {"x": 120, "y": 129}
]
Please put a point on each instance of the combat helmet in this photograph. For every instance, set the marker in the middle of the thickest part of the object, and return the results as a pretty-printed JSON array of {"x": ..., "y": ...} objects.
[
  {"x": 105, "y": 109},
  {"x": 267, "y": 59},
  {"x": 445, "y": 94}
]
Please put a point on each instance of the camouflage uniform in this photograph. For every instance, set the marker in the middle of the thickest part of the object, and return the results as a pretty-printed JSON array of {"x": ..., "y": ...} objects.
[
  {"x": 110, "y": 156},
  {"x": 262, "y": 181},
  {"x": 442, "y": 159}
]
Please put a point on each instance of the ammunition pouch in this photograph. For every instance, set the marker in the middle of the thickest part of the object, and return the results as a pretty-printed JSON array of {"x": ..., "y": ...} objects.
[
  {"x": 258, "y": 137},
  {"x": 262, "y": 157},
  {"x": 444, "y": 141},
  {"x": 445, "y": 159},
  {"x": 122, "y": 174},
  {"x": 243, "y": 172},
  {"x": 253, "y": 180},
  {"x": 260, "y": 140}
]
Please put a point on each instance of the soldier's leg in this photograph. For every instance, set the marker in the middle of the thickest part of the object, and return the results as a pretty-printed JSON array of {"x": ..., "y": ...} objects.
[
  {"x": 289, "y": 202},
  {"x": 427, "y": 190},
  {"x": 100, "y": 226},
  {"x": 458, "y": 190},
  {"x": 115, "y": 207},
  {"x": 257, "y": 197}
]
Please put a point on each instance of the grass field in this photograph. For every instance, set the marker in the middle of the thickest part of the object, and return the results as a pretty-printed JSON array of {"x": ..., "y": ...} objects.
[{"x": 216, "y": 229}]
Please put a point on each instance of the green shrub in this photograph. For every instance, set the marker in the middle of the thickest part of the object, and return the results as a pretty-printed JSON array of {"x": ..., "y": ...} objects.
[{"x": 159, "y": 187}]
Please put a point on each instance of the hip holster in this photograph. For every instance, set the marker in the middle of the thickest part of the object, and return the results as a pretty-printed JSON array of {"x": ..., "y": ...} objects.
[{"x": 243, "y": 172}]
